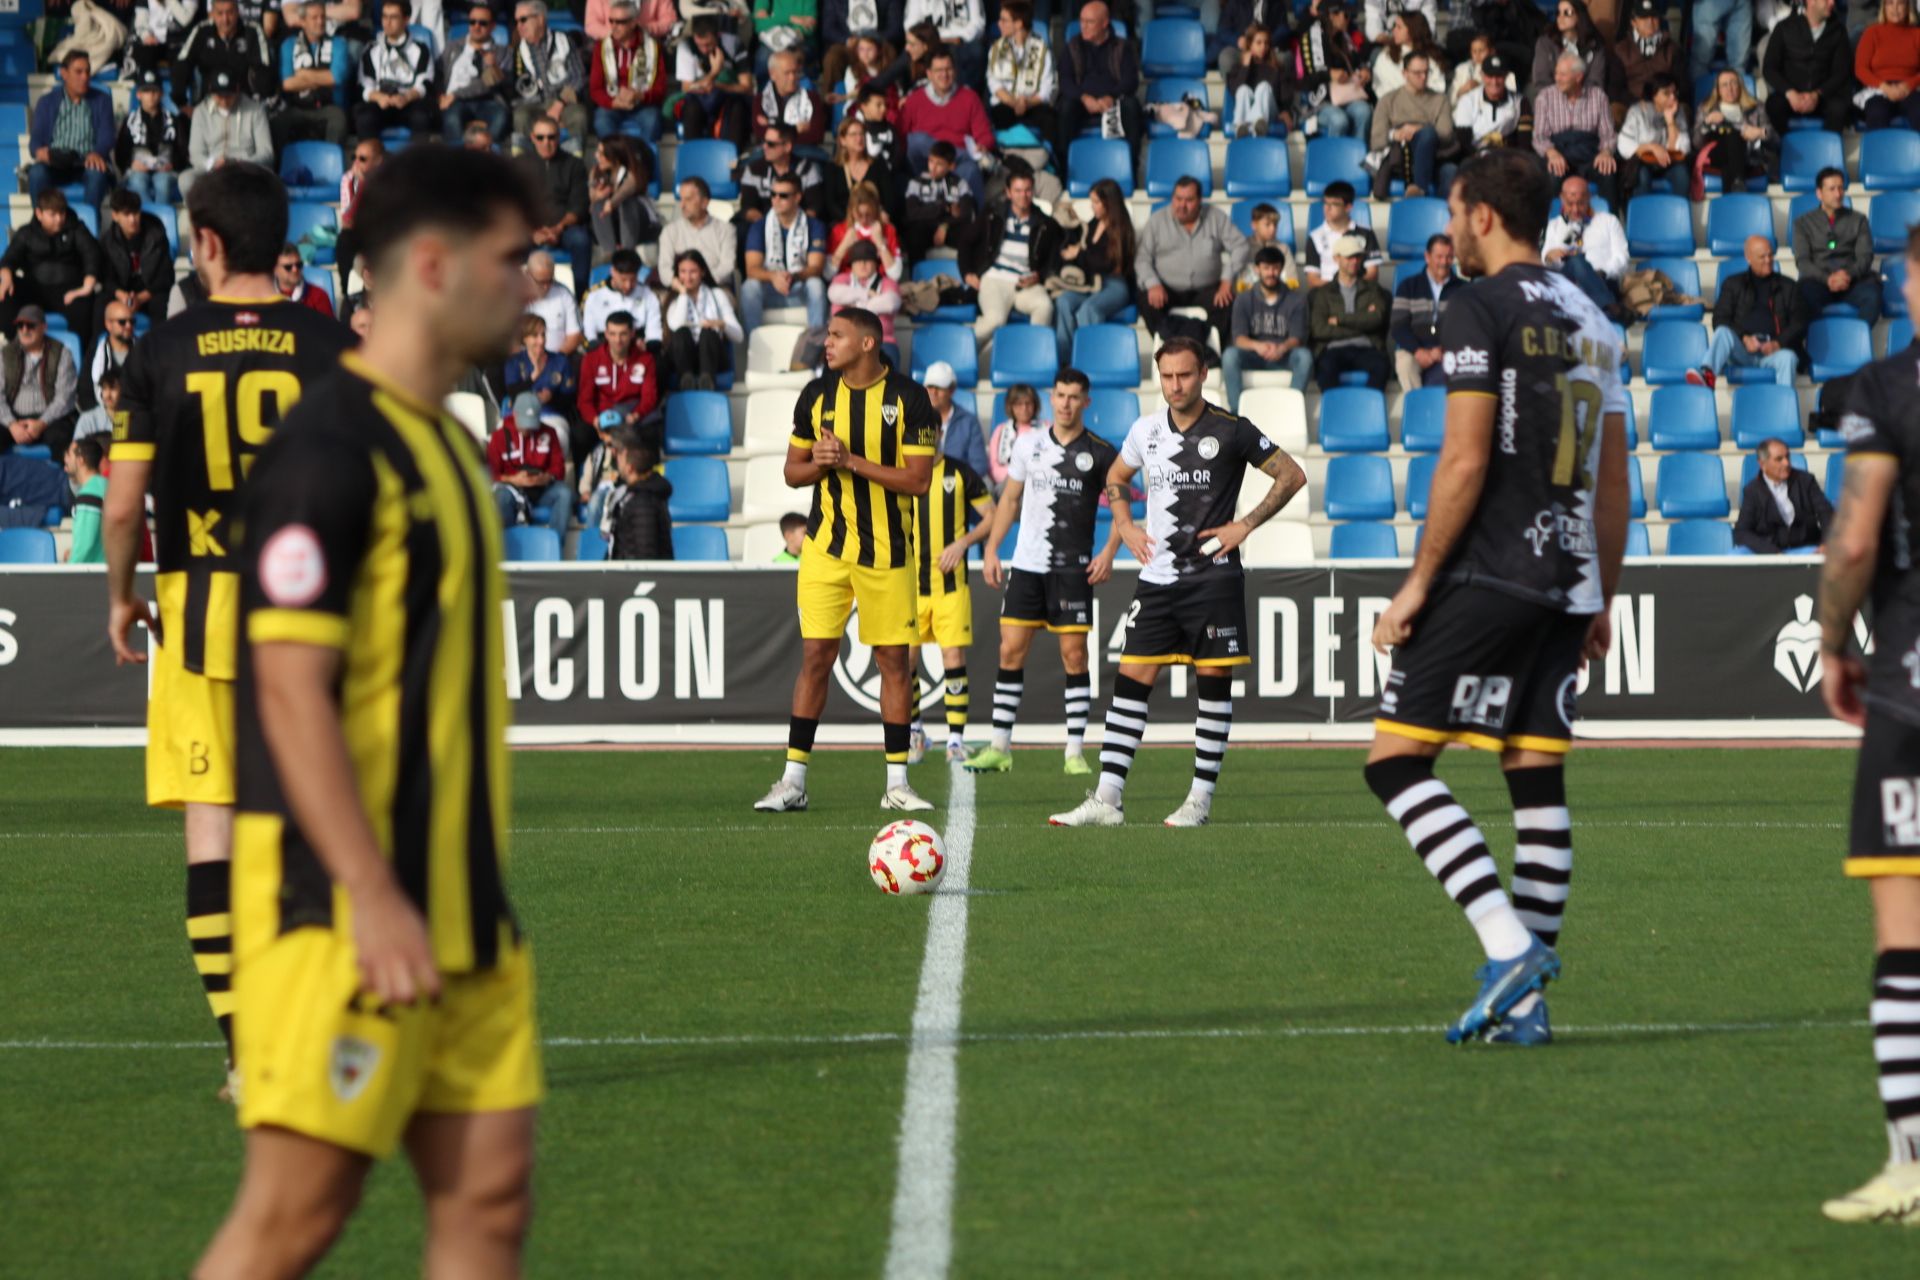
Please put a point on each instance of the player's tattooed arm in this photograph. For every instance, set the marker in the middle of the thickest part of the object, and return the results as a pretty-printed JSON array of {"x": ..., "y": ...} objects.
[
  {"x": 1120, "y": 500},
  {"x": 1288, "y": 479},
  {"x": 1852, "y": 545}
]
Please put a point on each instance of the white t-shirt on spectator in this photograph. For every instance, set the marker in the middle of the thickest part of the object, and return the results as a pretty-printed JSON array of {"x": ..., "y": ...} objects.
[{"x": 558, "y": 310}]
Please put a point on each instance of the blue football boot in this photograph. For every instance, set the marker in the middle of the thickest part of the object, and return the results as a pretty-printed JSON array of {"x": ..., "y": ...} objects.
[
  {"x": 1528, "y": 1029},
  {"x": 1502, "y": 984}
]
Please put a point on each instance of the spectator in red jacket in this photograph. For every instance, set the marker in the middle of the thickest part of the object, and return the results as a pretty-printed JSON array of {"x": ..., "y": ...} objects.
[
  {"x": 944, "y": 110},
  {"x": 619, "y": 374},
  {"x": 627, "y": 77},
  {"x": 290, "y": 275},
  {"x": 529, "y": 463}
]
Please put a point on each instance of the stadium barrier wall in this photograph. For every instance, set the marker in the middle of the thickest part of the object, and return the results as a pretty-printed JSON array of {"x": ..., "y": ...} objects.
[{"x": 663, "y": 653}]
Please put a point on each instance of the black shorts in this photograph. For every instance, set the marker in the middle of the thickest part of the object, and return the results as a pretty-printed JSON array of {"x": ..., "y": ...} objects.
[
  {"x": 1203, "y": 623},
  {"x": 1488, "y": 669},
  {"x": 1060, "y": 600},
  {"x": 1886, "y": 800}
]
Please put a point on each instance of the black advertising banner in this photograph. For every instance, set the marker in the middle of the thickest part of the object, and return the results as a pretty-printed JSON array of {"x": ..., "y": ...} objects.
[{"x": 655, "y": 653}]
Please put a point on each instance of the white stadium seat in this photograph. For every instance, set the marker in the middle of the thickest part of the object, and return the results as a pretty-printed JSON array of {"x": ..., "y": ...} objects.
[
  {"x": 767, "y": 496},
  {"x": 769, "y": 355},
  {"x": 1280, "y": 412},
  {"x": 769, "y": 421},
  {"x": 1278, "y": 542},
  {"x": 762, "y": 542}
]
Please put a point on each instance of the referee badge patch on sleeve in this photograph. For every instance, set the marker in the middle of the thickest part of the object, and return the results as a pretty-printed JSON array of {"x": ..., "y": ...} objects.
[{"x": 293, "y": 570}]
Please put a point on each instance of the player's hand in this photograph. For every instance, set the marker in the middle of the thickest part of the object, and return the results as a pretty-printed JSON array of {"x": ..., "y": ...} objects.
[
  {"x": 1137, "y": 541},
  {"x": 396, "y": 958},
  {"x": 950, "y": 557},
  {"x": 1395, "y": 626},
  {"x": 1101, "y": 569},
  {"x": 828, "y": 452},
  {"x": 991, "y": 570},
  {"x": 1842, "y": 677},
  {"x": 1231, "y": 535},
  {"x": 1599, "y": 637},
  {"x": 122, "y": 617}
]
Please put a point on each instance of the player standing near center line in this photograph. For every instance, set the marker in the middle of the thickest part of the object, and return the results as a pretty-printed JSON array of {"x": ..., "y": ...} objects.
[
  {"x": 1191, "y": 604},
  {"x": 1054, "y": 481},
  {"x": 945, "y": 607},
  {"x": 201, "y": 394},
  {"x": 1511, "y": 585},
  {"x": 1874, "y": 546},
  {"x": 864, "y": 440}
]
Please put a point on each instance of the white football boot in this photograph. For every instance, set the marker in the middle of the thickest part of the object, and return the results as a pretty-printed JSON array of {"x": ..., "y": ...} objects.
[
  {"x": 1193, "y": 812},
  {"x": 906, "y": 800},
  {"x": 783, "y": 798},
  {"x": 1091, "y": 812}
]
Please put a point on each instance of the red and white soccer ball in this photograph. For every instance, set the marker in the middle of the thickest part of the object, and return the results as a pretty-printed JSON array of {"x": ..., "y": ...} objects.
[{"x": 906, "y": 857}]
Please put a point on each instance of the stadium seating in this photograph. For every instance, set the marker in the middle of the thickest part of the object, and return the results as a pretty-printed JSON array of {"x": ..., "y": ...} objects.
[
  {"x": 1890, "y": 214},
  {"x": 1364, "y": 540},
  {"x": 1670, "y": 348},
  {"x": 1804, "y": 153},
  {"x": 1890, "y": 160},
  {"x": 1420, "y": 483},
  {"x": 1636, "y": 489},
  {"x": 1414, "y": 222},
  {"x": 1638, "y": 544},
  {"x": 1110, "y": 412},
  {"x": 1683, "y": 417},
  {"x": 1174, "y": 89},
  {"x": 1838, "y": 345},
  {"x": 1353, "y": 420},
  {"x": 1359, "y": 487},
  {"x": 1692, "y": 484},
  {"x": 1173, "y": 47},
  {"x": 1598, "y": 201},
  {"x": 1280, "y": 413},
  {"x": 312, "y": 170},
  {"x": 1836, "y": 473},
  {"x": 304, "y": 217},
  {"x": 1750, "y": 467},
  {"x": 1109, "y": 354},
  {"x": 1700, "y": 538},
  {"x": 1423, "y": 419},
  {"x": 1766, "y": 411},
  {"x": 1332, "y": 160},
  {"x": 1091, "y": 159},
  {"x": 1259, "y": 169},
  {"x": 770, "y": 352},
  {"x": 1900, "y": 334},
  {"x": 1171, "y": 159},
  {"x": 700, "y": 489},
  {"x": 1659, "y": 225},
  {"x": 28, "y": 546},
  {"x": 1893, "y": 284},
  {"x": 1730, "y": 220},
  {"x": 928, "y": 269},
  {"x": 713, "y": 159},
  {"x": 1022, "y": 353},
  {"x": 1362, "y": 214},
  {"x": 1685, "y": 274},
  {"x": 590, "y": 545},
  {"x": 953, "y": 343},
  {"x": 1278, "y": 542},
  {"x": 71, "y": 341},
  {"x": 532, "y": 544},
  {"x": 699, "y": 422},
  {"x": 698, "y": 541}
]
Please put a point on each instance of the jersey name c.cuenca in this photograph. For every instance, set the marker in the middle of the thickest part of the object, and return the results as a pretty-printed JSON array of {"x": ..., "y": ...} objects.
[
  {"x": 1060, "y": 499},
  {"x": 1531, "y": 340},
  {"x": 1192, "y": 479},
  {"x": 1883, "y": 417}
]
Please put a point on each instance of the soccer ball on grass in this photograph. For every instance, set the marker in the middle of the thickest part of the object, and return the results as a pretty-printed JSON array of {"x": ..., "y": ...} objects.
[{"x": 906, "y": 857}]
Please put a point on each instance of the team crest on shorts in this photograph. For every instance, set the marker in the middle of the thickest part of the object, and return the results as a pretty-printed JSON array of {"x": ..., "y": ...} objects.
[
  {"x": 1209, "y": 449},
  {"x": 350, "y": 1066}
]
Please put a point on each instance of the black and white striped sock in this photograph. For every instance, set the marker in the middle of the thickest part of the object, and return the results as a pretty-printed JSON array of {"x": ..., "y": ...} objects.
[
  {"x": 1452, "y": 848},
  {"x": 957, "y": 704},
  {"x": 1126, "y": 723},
  {"x": 1007, "y": 687},
  {"x": 1543, "y": 849},
  {"x": 1896, "y": 1046},
  {"x": 1079, "y": 703},
  {"x": 1212, "y": 722}
]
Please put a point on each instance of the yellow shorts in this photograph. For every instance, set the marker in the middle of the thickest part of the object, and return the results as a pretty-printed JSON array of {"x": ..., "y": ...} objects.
[
  {"x": 189, "y": 734},
  {"x": 317, "y": 1058},
  {"x": 946, "y": 618},
  {"x": 829, "y": 589}
]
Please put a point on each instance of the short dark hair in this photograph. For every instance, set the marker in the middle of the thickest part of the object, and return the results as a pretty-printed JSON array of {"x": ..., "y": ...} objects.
[
  {"x": 865, "y": 321},
  {"x": 124, "y": 200},
  {"x": 406, "y": 7},
  {"x": 76, "y": 55},
  {"x": 448, "y": 188},
  {"x": 1768, "y": 445},
  {"x": 1269, "y": 253},
  {"x": 1515, "y": 185},
  {"x": 92, "y": 452},
  {"x": 107, "y": 378},
  {"x": 872, "y": 90},
  {"x": 944, "y": 150},
  {"x": 699, "y": 184},
  {"x": 624, "y": 260},
  {"x": 1820, "y": 179},
  {"x": 246, "y": 206},
  {"x": 941, "y": 54},
  {"x": 622, "y": 318},
  {"x": 285, "y": 249},
  {"x": 51, "y": 198},
  {"x": 1185, "y": 181},
  {"x": 781, "y": 130},
  {"x": 1656, "y": 83},
  {"x": 1021, "y": 11},
  {"x": 784, "y": 180},
  {"x": 1342, "y": 191},
  {"x": 1189, "y": 346},
  {"x": 1068, "y": 376},
  {"x": 640, "y": 454},
  {"x": 704, "y": 24},
  {"x": 1262, "y": 210},
  {"x": 1439, "y": 237},
  {"x": 791, "y": 521}
]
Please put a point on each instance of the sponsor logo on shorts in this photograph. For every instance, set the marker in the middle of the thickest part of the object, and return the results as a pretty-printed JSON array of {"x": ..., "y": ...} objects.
[
  {"x": 1900, "y": 811},
  {"x": 1467, "y": 362},
  {"x": 1481, "y": 700},
  {"x": 293, "y": 569},
  {"x": 351, "y": 1065},
  {"x": 1209, "y": 448},
  {"x": 1796, "y": 647}
]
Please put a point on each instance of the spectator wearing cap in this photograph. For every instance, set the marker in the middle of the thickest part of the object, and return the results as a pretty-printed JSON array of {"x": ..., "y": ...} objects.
[
  {"x": 52, "y": 262},
  {"x": 1587, "y": 246},
  {"x": 314, "y": 70},
  {"x": 1348, "y": 318},
  {"x": 786, "y": 257},
  {"x": 136, "y": 258},
  {"x": 601, "y": 470},
  {"x": 39, "y": 386},
  {"x": 1414, "y": 124},
  {"x": 1336, "y": 223},
  {"x": 622, "y": 291},
  {"x": 1573, "y": 126},
  {"x": 563, "y": 177},
  {"x": 223, "y": 42},
  {"x": 71, "y": 134},
  {"x": 473, "y": 80},
  {"x": 1645, "y": 50},
  {"x": 1887, "y": 64},
  {"x": 151, "y": 148},
  {"x": 1269, "y": 329},
  {"x": 529, "y": 465},
  {"x": 1100, "y": 81},
  {"x": 1419, "y": 300},
  {"x": 961, "y": 435},
  {"x": 701, "y": 326},
  {"x": 229, "y": 126},
  {"x": 555, "y": 305},
  {"x": 548, "y": 73},
  {"x": 396, "y": 77},
  {"x": 620, "y": 374},
  {"x": 863, "y": 284},
  {"x": 1188, "y": 256},
  {"x": 1809, "y": 69},
  {"x": 1488, "y": 114}
]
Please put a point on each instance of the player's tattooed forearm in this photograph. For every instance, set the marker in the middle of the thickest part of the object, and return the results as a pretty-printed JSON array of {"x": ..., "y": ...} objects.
[
  {"x": 1289, "y": 478},
  {"x": 1120, "y": 498}
]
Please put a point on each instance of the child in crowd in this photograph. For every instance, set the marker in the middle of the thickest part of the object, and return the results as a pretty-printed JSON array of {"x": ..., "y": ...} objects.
[
  {"x": 636, "y": 521},
  {"x": 1266, "y": 232},
  {"x": 793, "y": 532}
]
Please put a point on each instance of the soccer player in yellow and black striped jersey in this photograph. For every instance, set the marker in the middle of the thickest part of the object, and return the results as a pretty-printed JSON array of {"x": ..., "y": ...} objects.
[
  {"x": 201, "y": 394},
  {"x": 954, "y": 495},
  {"x": 384, "y": 991},
  {"x": 864, "y": 439}
]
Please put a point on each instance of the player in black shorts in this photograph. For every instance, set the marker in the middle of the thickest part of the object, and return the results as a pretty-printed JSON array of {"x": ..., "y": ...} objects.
[
  {"x": 1511, "y": 585},
  {"x": 1191, "y": 604},
  {"x": 1874, "y": 546}
]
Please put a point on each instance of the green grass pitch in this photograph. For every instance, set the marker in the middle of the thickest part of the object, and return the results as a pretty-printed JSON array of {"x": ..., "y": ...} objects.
[{"x": 1268, "y": 1113}]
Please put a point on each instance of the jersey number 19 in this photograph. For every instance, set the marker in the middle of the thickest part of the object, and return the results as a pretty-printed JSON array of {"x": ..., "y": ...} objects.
[{"x": 248, "y": 402}]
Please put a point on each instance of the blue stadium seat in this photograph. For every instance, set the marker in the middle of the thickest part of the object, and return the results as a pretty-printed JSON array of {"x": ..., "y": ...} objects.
[
  {"x": 710, "y": 158},
  {"x": 1764, "y": 411},
  {"x": 1660, "y": 224},
  {"x": 950, "y": 342},
  {"x": 1242, "y": 215},
  {"x": 532, "y": 544},
  {"x": 699, "y": 422},
  {"x": 1353, "y": 420},
  {"x": 1109, "y": 354},
  {"x": 1171, "y": 159},
  {"x": 1633, "y": 427},
  {"x": 1111, "y": 413},
  {"x": 1890, "y": 160},
  {"x": 71, "y": 341},
  {"x": 1685, "y": 274},
  {"x": 1091, "y": 159},
  {"x": 1683, "y": 417},
  {"x": 1336, "y": 160},
  {"x": 590, "y": 546},
  {"x": 700, "y": 489},
  {"x": 1174, "y": 89},
  {"x": 312, "y": 170},
  {"x": 1890, "y": 214},
  {"x": 1173, "y": 47},
  {"x": 1638, "y": 543},
  {"x": 1836, "y": 472},
  {"x": 927, "y": 269},
  {"x": 1670, "y": 348},
  {"x": 1363, "y": 540},
  {"x": 1692, "y": 484},
  {"x": 28, "y": 546},
  {"x": 1024, "y": 353},
  {"x": 1359, "y": 487},
  {"x": 1598, "y": 201},
  {"x": 1804, "y": 153},
  {"x": 1636, "y": 489},
  {"x": 1838, "y": 345},
  {"x": 1731, "y": 219},
  {"x": 88, "y": 215},
  {"x": 1420, "y": 483},
  {"x": 1750, "y": 466},
  {"x": 1899, "y": 334},
  {"x": 304, "y": 216},
  {"x": 1413, "y": 222},
  {"x": 1259, "y": 168},
  {"x": 698, "y": 541},
  {"x": 1700, "y": 538},
  {"x": 1423, "y": 419},
  {"x": 1893, "y": 281},
  {"x": 169, "y": 217}
]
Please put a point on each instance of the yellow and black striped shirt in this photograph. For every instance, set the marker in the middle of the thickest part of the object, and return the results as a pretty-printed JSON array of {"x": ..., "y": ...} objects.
[
  {"x": 886, "y": 423},
  {"x": 200, "y": 396},
  {"x": 371, "y": 529},
  {"x": 955, "y": 490}
]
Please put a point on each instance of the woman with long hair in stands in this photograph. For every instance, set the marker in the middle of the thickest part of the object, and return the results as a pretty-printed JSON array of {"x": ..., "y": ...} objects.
[
  {"x": 1103, "y": 252},
  {"x": 854, "y": 165}
]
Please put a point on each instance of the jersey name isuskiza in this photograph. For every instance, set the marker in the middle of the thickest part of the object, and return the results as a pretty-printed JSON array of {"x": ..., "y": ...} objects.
[
  {"x": 1192, "y": 479},
  {"x": 1882, "y": 417},
  {"x": 1530, "y": 339},
  {"x": 1061, "y": 497}
]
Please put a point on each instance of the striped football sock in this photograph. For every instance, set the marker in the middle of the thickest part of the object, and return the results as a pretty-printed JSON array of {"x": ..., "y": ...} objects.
[
  {"x": 1896, "y": 1047},
  {"x": 210, "y": 930},
  {"x": 1126, "y": 723},
  {"x": 1079, "y": 704},
  {"x": 1007, "y": 687},
  {"x": 1212, "y": 722},
  {"x": 957, "y": 699}
]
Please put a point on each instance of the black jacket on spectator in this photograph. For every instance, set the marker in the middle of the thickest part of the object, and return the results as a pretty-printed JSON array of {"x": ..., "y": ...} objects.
[
  {"x": 152, "y": 250},
  {"x": 1796, "y": 60},
  {"x": 564, "y": 179},
  {"x": 1744, "y": 299},
  {"x": 1275, "y": 15},
  {"x": 247, "y": 56},
  {"x": 638, "y": 520},
  {"x": 164, "y": 133},
  {"x": 1760, "y": 528},
  {"x": 1043, "y": 249},
  {"x": 835, "y": 30},
  {"x": 1110, "y": 70},
  {"x": 55, "y": 263}
]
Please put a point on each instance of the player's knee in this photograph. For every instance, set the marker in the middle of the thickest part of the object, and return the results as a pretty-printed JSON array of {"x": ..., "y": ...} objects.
[
  {"x": 500, "y": 1214},
  {"x": 891, "y": 660},
  {"x": 286, "y": 1233}
]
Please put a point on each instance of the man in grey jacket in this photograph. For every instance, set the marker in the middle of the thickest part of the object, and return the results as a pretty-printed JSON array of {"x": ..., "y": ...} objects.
[
  {"x": 229, "y": 126},
  {"x": 1179, "y": 261},
  {"x": 1833, "y": 249}
]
